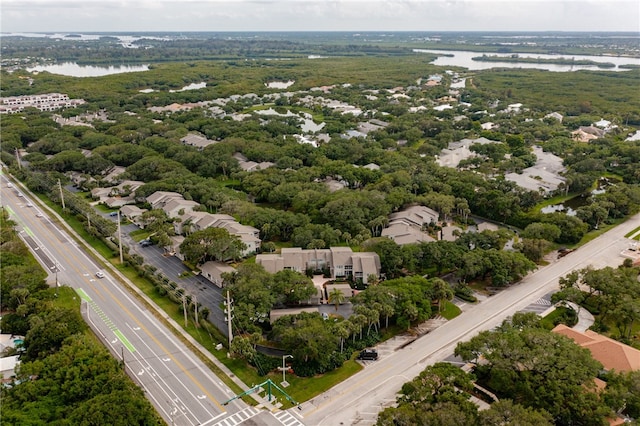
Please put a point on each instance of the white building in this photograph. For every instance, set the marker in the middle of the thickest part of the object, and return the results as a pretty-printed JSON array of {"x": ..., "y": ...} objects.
[{"x": 44, "y": 102}]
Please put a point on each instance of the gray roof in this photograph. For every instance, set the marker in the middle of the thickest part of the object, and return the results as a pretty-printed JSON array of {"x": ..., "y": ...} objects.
[{"x": 197, "y": 140}]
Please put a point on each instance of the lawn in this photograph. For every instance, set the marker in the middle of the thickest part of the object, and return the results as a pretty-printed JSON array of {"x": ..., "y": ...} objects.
[
  {"x": 450, "y": 311},
  {"x": 635, "y": 234},
  {"x": 592, "y": 235},
  {"x": 548, "y": 321}
]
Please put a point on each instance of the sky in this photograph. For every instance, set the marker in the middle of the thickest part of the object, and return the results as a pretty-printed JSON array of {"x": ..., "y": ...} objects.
[{"x": 318, "y": 15}]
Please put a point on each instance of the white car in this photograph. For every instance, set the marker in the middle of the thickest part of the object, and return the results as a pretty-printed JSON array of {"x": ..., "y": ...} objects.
[{"x": 100, "y": 274}]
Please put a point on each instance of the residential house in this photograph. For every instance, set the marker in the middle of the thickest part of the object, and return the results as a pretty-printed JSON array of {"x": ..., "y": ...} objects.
[
  {"x": 177, "y": 207},
  {"x": 587, "y": 133},
  {"x": 371, "y": 166},
  {"x": 555, "y": 115},
  {"x": 119, "y": 195},
  {"x": 341, "y": 262},
  {"x": 450, "y": 232},
  {"x": 405, "y": 227},
  {"x": 132, "y": 213},
  {"x": 197, "y": 141},
  {"x": 603, "y": 124},
  {"x": 190, "y": 220},
  {"x": 344, "y": 288},
  {"x": 10, "y": 341},
  {"x": 79, "y": 179},
  {"x": 402, "y": 233},
  {"x": 8, "y": 367},
  {"x": 415, "y": 216},
  {"x": 113, "y": 173},
  {"x": 612, "y": 354},
  {"x": 159, "y": 198},
  {"x": 213, "y": 271},
  {"x": 176, "y": 240},
  {"x": 247, "y": 234},
  {"x": 251, "y": 166}
]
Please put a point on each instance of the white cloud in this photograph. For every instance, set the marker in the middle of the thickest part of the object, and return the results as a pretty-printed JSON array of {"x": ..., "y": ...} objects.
[{"x": 318, "y": 15}]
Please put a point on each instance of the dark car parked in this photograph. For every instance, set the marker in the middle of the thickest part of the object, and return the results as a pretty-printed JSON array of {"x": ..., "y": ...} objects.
[
  {"x": 368, "y": 355},
  {"x": 146, "y": 243}
]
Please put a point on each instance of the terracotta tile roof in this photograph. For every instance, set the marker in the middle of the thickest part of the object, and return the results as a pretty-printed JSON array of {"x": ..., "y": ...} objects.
[{"x": 612, "y": 354}]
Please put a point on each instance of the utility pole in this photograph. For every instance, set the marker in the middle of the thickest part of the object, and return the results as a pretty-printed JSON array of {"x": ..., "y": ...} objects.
[
  {"x": 57, "y": 284},
  {"x": 62, "y": 195},
  {"x": 228, "y": 311},
  {"x": 18, "y": 159},
  {"x": 184, "y": 308},
  {"x": 195, "y": 304},
  {"x": 120, "y": 237}
]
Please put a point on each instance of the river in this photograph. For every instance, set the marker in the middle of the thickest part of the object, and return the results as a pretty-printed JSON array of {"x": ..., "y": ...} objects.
[
  {"x": 464, "y": 59},
  {"x": 74, "y": 70}
]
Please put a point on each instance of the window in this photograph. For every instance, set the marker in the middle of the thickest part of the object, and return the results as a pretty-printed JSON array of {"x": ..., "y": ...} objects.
[{"x": 348, "y": 270}]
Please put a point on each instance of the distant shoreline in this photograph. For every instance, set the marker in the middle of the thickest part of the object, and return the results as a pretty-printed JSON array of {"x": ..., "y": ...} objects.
[{"x": 556, "y": 61}]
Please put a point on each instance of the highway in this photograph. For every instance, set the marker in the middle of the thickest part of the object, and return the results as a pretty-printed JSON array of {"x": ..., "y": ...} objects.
[
  {"x": 184, "y": 390},
  {"x": 180, "y": 386},
  {"x": 359, "y": 399}
]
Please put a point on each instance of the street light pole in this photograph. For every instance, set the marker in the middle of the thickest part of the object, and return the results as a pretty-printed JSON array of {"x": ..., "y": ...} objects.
[
  {"x": 284, "y": 370},
  {"x": 55, "y": 267}
]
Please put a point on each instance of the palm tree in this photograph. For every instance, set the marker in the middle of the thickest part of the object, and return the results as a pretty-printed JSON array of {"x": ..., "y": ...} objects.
[
  {"x": 441, "y": 291},
  {"x": 336, "y": 297},
  {"x": 343, "y": 331}
]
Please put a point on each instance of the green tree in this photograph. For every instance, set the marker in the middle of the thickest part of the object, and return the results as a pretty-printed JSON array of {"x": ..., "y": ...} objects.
[
  {"x": 539, "y": 369},
  {"x": 82, "y": 377},
  {"x": 391, "y": 260},
  {"x": 441, "y": 291},
  {"x": 533, "y": 249},
  {"x": 211, "y": 244},
  {"x": 49, "y": 328},
  {"x": 306, "y": 337},
  {"x": 336, "y": 297},
  {"x": 506, "y": 413},
  {"x": 438, "y": 396},
  {"x": 244, "y": 347},
  {"x": 622, "y": 393},
  {"x": 291, "y": 287},
  {"x": 251, "y": 289}
]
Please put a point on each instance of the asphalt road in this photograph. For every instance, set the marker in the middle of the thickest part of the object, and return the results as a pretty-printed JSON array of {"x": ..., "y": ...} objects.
[
  {"x": 359, "y": 399},
  {"x": 181, "y": 387}
]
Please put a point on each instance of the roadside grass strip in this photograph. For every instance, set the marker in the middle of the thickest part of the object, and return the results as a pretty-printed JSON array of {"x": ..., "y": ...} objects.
[
  {"x": 16, "y": 219},
  {"x": 94, "y": 306},
  {"x": 634, "y": 235}
]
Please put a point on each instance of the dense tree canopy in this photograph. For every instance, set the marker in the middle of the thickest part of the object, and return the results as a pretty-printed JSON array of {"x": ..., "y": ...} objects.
[
  {"x": 538, "y": 369},
  {"x": 211, "y": 244}
]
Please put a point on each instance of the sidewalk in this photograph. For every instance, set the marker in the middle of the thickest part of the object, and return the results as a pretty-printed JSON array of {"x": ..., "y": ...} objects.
[{"x": 585, "y": 319}]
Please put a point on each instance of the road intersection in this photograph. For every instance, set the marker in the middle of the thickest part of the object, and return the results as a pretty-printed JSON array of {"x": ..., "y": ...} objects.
[
  {"x": 185, "y": 391},
  {"x": 359, "y": 399}
]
